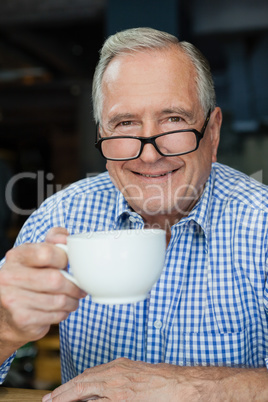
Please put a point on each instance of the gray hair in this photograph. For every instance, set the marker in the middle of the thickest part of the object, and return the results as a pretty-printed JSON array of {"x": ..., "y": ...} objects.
[{"x": 140, "y": 39}]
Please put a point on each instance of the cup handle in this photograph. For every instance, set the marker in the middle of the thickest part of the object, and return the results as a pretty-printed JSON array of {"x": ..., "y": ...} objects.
[{"x": 66, "y": 274}]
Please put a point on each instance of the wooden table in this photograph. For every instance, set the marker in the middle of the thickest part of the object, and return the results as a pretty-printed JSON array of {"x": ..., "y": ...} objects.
[{"x": 19, "y": 395}]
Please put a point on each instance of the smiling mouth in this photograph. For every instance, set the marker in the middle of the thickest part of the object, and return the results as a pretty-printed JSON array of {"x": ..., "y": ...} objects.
[{"x": 156, "y": 175}]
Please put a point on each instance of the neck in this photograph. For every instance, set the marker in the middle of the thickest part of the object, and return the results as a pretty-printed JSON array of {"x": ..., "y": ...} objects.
[
  {"x": 164, "y": 221},
  {"x": 161, "y": 222}
]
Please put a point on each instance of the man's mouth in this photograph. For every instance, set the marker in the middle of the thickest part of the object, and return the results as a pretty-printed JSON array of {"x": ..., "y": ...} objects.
[{"x": 156, "y": 175}]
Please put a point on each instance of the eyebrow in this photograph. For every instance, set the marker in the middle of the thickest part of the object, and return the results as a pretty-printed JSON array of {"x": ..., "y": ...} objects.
[
  {"x": 128, "y": 116},
  {"x": 119, "y": 117},
  {"x": 182, "y": 112}
]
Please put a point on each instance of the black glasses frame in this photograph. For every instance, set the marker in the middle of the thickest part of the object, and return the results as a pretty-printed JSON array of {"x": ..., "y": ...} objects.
[{"x": 151, "y": 140}]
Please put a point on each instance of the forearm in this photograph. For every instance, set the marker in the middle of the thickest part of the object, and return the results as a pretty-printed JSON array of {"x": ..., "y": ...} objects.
[
  {"x": 7, "y": 349},
  {"x": 9, "y": 340},
  {"x": 226, "y": 384},
  {"x": 244, "y": 384},
  {"x": 7, "y": 346}
]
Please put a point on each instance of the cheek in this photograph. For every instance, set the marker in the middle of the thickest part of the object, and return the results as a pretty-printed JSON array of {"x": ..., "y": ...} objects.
[
  {"x": 115, "y": 172},
  {"x": 111, "y": 169},
  {"x": 205, "y": 152},
  {"x": 198, "y": 166}
]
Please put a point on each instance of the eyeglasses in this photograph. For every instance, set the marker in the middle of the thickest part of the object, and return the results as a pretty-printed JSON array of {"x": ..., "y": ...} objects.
[{"x": 171, "y": 143}]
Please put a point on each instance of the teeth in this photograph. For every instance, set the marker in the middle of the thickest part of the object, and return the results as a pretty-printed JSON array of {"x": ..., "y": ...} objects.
[{"x": 155, "y": 175}]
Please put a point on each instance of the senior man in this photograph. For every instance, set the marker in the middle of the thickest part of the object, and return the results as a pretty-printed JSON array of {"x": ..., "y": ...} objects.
[{"x": 202, "y": 334}]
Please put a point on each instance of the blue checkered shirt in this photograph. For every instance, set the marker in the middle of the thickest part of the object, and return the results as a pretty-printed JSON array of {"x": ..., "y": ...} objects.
[{"x": 210, "y": 305}]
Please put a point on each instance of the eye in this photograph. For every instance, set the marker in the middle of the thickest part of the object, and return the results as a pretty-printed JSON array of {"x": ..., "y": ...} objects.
[
  {"x": 175, "y": 119},
  {"x": 127, "y": 127},
  {"x": 125, "y": 123}
]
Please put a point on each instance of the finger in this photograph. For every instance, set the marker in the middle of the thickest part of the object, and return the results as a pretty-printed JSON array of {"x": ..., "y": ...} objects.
[
  {"x": 33, "y": 321},
  {"x": 94, "y": 383},
  {"x": 47, "y": 398},
  {"x": 75, "y": 390},
  {"x": 38, "y": 255},
  {"x": 29, "y": 300},
  {"x": 47, "y": 280},
  {"x": 57, "y": 235},
  {"x": 28, "y": 322}
]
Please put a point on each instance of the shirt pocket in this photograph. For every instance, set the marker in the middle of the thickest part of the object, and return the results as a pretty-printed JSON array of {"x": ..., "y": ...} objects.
[{"x": 219, "y": 349}]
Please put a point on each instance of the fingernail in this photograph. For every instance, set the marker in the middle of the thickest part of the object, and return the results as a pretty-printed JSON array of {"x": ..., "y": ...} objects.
[{"x": 47, "y": 398}]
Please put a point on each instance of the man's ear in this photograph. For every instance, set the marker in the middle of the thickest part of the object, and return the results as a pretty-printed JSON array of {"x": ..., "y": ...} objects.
[{"x": 214, "y": 130}]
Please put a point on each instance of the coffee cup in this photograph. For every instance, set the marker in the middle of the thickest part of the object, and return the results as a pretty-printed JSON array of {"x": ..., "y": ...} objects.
[{"x": 116, "y": 267}]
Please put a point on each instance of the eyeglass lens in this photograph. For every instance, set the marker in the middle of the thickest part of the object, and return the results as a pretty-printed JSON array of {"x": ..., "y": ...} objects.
[{"x": 168, "y": 144}]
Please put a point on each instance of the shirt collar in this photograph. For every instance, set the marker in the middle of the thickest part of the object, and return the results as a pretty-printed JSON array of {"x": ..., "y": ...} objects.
[
  {"x": 201, "y": 211},
  {"x": 122, "y": 206}
]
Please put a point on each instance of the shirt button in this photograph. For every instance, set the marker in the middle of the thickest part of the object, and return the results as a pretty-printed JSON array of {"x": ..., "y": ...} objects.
[{"x": 158, "y": 324}]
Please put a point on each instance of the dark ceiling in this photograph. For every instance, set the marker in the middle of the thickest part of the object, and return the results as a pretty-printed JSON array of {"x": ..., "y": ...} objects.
[
  {"x": 44, "y": 40},
  {"x": 48, "y": 51}
]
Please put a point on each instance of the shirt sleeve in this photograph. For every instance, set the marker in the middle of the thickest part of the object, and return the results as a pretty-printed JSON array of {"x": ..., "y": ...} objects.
[
  {"x": 35, "y": 230},
  {"x": 4, "y": 368},
  {"x": 265, "y": 293},
  {"x": 266, "y": 362},
  {"x": 265, "y": 296}
]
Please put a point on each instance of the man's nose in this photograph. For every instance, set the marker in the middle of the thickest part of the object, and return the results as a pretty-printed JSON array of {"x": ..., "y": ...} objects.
[{"x": 149, "y": 154}]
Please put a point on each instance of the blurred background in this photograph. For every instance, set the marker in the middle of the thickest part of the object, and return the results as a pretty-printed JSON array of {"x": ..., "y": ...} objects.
[{"x": 48, "y": 52}]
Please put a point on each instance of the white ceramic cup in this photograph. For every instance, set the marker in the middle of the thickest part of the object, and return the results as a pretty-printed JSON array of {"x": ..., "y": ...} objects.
[{"x": 116, "y": 267}]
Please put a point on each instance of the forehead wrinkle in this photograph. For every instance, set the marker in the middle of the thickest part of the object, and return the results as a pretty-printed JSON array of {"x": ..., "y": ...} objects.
[{"x": 113, "y": 72}]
